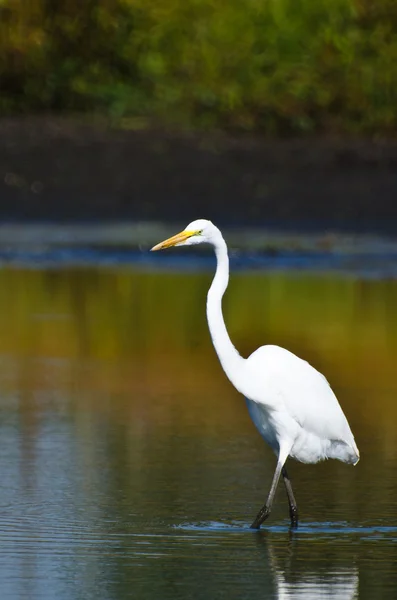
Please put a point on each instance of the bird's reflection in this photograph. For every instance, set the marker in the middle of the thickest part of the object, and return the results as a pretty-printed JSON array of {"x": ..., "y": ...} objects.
[{"x": 307, "y": 569}]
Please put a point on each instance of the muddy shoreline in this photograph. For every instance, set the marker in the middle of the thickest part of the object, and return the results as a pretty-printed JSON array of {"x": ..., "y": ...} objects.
[{"x": 69, "y": 170}]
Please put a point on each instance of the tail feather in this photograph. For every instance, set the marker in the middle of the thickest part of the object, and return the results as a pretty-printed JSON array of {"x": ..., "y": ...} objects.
[{"x": 344, "y": 451}]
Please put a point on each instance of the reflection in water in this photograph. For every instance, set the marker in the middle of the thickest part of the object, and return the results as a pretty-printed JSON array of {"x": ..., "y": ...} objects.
[
  {"x": 299, "y": 580},
  {"x": 338, "y": 587},
  {"x": 117, "y": 427}
]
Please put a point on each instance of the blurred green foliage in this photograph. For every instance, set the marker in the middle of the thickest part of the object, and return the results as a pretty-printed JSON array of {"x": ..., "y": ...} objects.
[{"x": 274, "y": 66}]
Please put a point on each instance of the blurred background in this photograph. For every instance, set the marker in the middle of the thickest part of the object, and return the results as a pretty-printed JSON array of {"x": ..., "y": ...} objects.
[
  {"x": 129, "y": 466},
  {"x": 257, "y": 112}
]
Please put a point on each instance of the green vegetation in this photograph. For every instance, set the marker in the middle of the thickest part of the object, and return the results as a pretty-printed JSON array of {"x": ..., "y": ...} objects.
[{"x": 273, "y": 66}]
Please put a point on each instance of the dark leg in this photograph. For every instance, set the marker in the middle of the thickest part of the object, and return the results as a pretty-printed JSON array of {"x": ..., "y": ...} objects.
[
  {"x": 293, "y": 509},
  {"x": 265, "y": 510}
]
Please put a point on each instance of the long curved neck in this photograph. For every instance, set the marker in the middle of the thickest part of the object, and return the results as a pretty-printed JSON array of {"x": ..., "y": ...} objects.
[{"x": 229, "y": 357}]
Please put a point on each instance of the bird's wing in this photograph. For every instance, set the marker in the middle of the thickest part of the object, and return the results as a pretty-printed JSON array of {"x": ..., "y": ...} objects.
[{"x": 300, "y": 390}]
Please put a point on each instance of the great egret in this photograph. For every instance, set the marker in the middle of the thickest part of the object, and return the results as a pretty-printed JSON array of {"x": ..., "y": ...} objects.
[{"x": 291, "y": 404}]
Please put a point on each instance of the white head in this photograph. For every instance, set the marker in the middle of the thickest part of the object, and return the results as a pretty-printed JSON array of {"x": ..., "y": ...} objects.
[{"x": 197, "y": 232}]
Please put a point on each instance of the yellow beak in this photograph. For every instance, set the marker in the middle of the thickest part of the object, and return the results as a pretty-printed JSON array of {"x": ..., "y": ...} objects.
[{"x": 174, "y": 240}]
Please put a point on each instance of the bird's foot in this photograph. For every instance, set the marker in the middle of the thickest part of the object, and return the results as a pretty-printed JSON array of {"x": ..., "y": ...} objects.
[
  {"x": 260, "y": 517},
  {"x": 293, "y": 513}
]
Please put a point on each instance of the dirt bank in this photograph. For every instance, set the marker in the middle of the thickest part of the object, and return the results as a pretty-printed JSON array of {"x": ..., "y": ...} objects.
[{"x": 68, "y": 170}]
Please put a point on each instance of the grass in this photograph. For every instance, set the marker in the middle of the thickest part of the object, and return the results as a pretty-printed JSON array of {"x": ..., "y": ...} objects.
[{"x": 271, "y": 66}]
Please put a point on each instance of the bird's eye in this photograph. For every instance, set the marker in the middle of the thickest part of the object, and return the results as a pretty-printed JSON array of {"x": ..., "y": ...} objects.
[{"x": 199, "y": 232}]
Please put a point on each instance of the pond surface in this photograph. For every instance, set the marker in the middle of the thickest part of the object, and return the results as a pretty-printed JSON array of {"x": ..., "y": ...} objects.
[{"x": 129, "y": 465}]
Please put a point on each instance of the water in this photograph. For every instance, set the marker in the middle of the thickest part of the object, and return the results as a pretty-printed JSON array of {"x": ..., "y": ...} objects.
[{"x": 129, "y": 466}]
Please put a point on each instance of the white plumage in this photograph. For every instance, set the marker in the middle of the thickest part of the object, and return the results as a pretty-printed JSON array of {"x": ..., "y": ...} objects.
[
  {"x": 298, "y": 401},
  {"x": 291, "y": 404}
]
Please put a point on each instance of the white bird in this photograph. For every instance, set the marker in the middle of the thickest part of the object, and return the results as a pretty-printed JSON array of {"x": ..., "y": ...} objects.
[{"x": 291, "y": 404}]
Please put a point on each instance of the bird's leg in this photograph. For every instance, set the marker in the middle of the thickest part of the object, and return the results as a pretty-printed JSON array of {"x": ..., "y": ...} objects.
[
  {"x": 265, "y": 510},
  {"x": 293, "y": 508}
]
